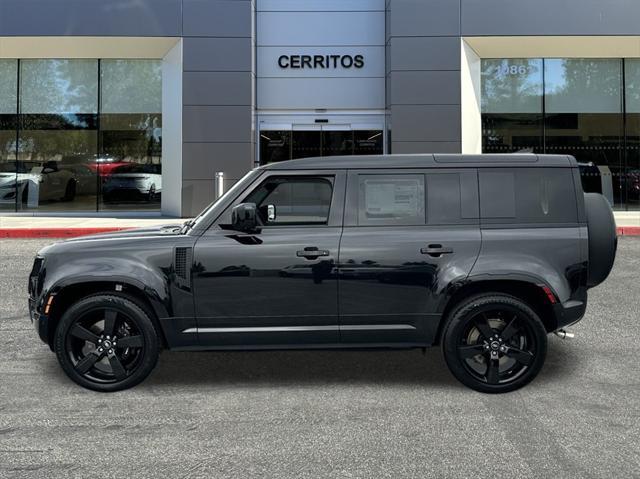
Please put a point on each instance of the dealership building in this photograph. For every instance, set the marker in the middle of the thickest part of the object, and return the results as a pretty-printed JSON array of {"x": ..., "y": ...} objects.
[{"x": 156, "y": 106}]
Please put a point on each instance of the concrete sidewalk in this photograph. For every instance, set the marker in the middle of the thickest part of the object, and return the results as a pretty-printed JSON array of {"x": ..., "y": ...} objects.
[{"x": 68, "y": 226}]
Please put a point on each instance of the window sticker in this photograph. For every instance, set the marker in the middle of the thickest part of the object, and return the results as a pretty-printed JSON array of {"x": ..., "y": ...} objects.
[{"x": 391, "y": 198}]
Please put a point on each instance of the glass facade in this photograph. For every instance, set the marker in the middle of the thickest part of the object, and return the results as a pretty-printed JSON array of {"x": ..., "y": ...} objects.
[
  {"x": 588, "y": 108},
  {"x": 80, "y": 135}
]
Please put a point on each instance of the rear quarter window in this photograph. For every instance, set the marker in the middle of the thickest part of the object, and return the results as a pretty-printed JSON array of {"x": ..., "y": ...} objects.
[{"x": 527, "y": 195}]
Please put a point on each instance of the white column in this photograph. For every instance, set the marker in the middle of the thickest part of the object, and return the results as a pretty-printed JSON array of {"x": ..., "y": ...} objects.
[
  {"x": 470, "y": 121},
  {"x": 172, "y": 132}
]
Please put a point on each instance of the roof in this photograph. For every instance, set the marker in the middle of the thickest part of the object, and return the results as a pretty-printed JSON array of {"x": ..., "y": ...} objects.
[{"x": 425, "y": 161}]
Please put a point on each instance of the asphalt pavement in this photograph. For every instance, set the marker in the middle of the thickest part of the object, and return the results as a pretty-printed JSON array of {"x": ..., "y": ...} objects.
[{"x": 326, "y": 413}]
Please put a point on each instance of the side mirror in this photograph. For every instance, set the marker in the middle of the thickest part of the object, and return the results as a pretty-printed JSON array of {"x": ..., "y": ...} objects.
[{"x": 244, "y": 217}]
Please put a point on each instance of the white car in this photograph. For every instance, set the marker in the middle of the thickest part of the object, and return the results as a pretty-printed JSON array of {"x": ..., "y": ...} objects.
[
  {"x": 133, "y": 182},
  {"x": 41, "y": 183}
]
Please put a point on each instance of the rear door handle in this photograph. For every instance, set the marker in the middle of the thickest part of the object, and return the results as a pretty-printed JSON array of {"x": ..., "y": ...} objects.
[
  {"x": 436, "y": 250},
  {"x": 312, "y": 252}
]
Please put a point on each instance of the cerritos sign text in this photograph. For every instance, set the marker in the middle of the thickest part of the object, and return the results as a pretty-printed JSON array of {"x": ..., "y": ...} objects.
[{"x": 321, "y": 61}]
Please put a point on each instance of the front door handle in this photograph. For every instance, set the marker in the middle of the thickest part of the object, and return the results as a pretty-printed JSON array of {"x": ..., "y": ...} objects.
[
  {"x": 436, "y": 250},
  {"x": 312, "y": 252}
]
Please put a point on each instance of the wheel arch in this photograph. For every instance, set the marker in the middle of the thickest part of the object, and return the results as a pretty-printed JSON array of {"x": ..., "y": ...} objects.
[
  {"x": 70, "y": 292},
  {"x": 528, "y": 289}
]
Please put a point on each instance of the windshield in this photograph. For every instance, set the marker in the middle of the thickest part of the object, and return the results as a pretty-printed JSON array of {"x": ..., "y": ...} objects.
[{"x": 228, "y": 196}]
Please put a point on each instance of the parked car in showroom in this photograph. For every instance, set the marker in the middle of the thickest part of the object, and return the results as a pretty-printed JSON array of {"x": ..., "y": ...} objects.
[
  {"x": 35, "y": 182},
  {"x": 103, "y": 166},
  {"x": 483, "y": 255},
  {"x": 133, "y": 181}
]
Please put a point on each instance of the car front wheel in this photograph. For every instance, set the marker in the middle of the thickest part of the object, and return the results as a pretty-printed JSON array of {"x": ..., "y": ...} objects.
[
  {"x": 494, "y": 343},
  {"x": 106, "y": 343}
]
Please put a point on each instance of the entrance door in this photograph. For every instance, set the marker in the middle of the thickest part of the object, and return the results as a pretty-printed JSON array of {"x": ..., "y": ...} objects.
[
  {"x": 279, "y": 142},
  {"x": 306, "y": 141}
]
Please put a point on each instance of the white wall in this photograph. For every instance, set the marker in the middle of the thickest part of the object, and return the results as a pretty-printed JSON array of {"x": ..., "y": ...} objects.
[
  {"x": 171, "y": 204},
  {"x": 470, "y": 118}
]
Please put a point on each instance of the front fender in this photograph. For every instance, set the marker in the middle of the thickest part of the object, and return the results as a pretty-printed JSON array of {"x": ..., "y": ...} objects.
[
  {"x": 144, "y": 263},
  {"x": 151, "y": 282}
]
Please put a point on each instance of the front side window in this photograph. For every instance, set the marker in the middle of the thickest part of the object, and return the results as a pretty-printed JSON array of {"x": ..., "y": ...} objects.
[
  {"x": 293, "y": 200},
  {"x": 391, "y": 200}
]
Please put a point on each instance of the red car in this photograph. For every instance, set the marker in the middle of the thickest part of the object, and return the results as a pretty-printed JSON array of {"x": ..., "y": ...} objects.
[{"x": 104, "y": 166}]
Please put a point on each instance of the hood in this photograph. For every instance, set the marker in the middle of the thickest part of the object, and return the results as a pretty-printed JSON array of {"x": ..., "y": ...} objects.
[
  {"x": 164, "y": 230},
  {"x": 6, "y": 178},
  {"x": 129, "y": 238}
]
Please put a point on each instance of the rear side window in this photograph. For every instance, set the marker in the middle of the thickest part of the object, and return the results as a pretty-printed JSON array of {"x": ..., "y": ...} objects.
[
  {"x": 452, "y": 198},
  {"x": 391, "y": 200},
  {"x": 527, "y": 195}
]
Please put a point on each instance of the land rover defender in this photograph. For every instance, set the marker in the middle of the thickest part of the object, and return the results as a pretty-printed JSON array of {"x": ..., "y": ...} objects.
[{"x": 483, "y": 255}]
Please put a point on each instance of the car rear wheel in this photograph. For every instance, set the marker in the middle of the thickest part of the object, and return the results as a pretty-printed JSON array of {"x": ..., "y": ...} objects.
[
  {"x": 106, "y": 343},
  {"x": 70, "y": 191},
  {"x": 494, "y": 343},
  {"x": 151, "y": 197}
]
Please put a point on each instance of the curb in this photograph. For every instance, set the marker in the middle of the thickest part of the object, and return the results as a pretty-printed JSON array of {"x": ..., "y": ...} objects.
[
  {"x": 27, "y": 233},
  {"x": 628, "y": 230},
  {"x": 55, "y": 232}
]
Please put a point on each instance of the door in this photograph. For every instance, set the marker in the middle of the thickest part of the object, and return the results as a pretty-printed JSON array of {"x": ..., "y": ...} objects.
[
  {"x": 277, "y": 286},
  {"x": 407, "y": 236},
  {"x": 291, "y": 137}
]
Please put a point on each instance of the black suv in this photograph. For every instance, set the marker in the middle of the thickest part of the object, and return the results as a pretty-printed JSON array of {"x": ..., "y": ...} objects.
[{"x": 484, "y": 255}]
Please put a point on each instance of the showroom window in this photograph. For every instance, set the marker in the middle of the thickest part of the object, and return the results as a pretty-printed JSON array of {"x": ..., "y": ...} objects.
[
  {"x": 8, "y": 133},
  {"x": 632, "y": 131},
  {"x": 80, "y": 135},
  {"x": 512, "y": 106},
  {"x": 57, "y": 134},
  {"x": 583, "y": 114},
  {"x": 130, "y": 134},
  {"x": 572, "y": 106}
]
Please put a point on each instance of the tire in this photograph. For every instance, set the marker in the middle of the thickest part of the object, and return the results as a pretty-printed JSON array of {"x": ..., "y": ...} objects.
[
  {"x": 86, "y": 351},
  {"x": 70, "y": 191},
  {"x": 25, "y": 196},
  {"x": 515, "y": 335},
  {"x": 603, "y": 241}
]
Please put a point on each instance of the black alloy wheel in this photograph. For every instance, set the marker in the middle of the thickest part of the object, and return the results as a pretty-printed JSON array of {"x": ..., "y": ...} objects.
[
  {"x": 106, "y": 343},
  {"x": 494, "y": 343}
]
